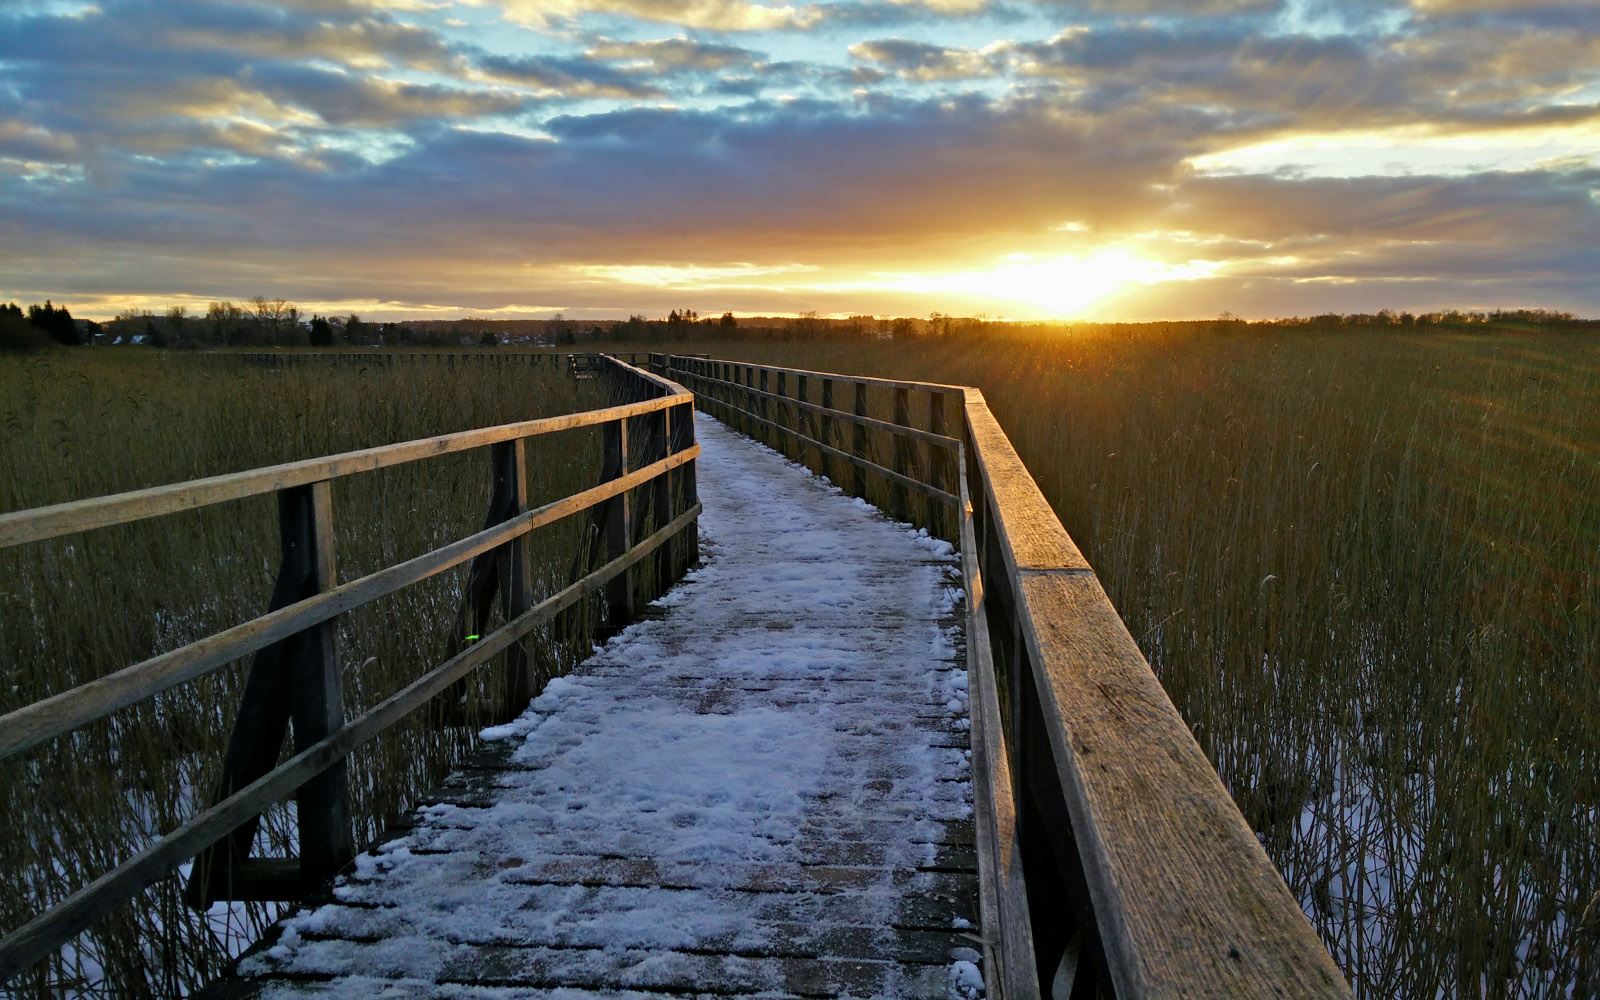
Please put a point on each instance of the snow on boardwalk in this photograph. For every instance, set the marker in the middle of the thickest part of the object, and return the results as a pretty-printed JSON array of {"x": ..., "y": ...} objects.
[{"x": 761, "y": 790}]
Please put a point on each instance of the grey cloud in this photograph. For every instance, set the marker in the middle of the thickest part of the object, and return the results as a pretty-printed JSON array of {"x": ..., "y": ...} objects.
[
  {"x": 1487, "y": 210},
  {"x": 1145, "y": 8},
  {"x": 1093, "y": 125},
  {"x": 922, "y": 61},
  {"x": 372, "y": 102},
  {"x": 568, "y": 77},
  {"x": 136, "y": 32},
  {"x": 669, "y": 54}
]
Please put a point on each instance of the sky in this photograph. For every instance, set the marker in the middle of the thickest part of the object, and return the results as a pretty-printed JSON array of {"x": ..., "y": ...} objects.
[{"x": 1022, "y": 159}]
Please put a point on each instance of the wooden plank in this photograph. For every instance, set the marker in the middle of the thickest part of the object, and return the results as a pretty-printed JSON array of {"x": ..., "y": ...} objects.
[
  {"x": 41, "y": 523},
  {"x": 42, "y": 720},
  {"x": 48, "y": 931},
  {"x": 1031, "y": 536},
  {"x": 1186, "y": 901},
  {"x": 1009, "y": 963}
]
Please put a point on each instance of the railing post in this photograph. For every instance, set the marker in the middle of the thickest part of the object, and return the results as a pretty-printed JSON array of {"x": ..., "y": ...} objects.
[
  {"x": 510, "y": 460},
  {"x": 827, "y": 428},
  {"x": 899, "y": 503},
  {"x": 296, "y": 678},
  {"x": 948, "y": 523},
  {"x": 859, "y": 440},
  {"x": 767, "y": 433},
  {"x": 687, "y": 546},
  {"x": 614, "y": 526},
  {"x": 808, "y": 424},
  {"x": 662, "y": 501},
  {"x": 316, "y": 698},
  {"x": 781, "y": 416}
]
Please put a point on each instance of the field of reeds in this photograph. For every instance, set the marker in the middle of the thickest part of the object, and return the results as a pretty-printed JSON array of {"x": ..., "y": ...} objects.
[
  {"x": 79, "y": 423},
  {"x": 1364, "y": 563},
  {"x": 1366, "y": 566}
]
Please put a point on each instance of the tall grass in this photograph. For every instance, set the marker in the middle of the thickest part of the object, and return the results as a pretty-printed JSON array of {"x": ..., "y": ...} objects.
[
  {"x": 1365, "y": 567},
  {"x": 78, "y": 424}
]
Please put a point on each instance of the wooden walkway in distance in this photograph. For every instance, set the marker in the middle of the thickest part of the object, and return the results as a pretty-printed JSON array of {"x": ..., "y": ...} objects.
[{"x": 760, "y": 789}]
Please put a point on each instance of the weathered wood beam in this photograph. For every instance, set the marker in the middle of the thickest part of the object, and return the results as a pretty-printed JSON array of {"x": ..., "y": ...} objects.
[
  {"x": 48, "y": 931},
  {"x": 41, "y": 523},
  {"x": 61, "y": 713}
]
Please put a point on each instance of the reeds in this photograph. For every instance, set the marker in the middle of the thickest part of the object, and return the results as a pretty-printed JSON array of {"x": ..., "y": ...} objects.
[
  {"x": 83, "y": 424},
  {"x": 1365, "y": 567}
]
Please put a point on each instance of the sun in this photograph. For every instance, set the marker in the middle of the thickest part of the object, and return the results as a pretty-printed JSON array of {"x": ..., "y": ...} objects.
[{"x": 1058, "y": 287}]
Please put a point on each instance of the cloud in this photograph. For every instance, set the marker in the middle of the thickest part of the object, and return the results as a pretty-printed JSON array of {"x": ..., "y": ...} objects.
[
  {"x": 502, "y": 149},
  {"x": 1184, "y": 8},
  {"x": 672, "y": 54},
  {"x": 568, "y": 77},
  {"x": 21, "y": 140},
  {"x": 921, "y": 61},
  {"x": 709, "y": 15},
  {"x": 375, "y": 102}
]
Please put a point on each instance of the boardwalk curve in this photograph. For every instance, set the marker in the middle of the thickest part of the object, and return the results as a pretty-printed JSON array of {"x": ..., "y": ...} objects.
[{"x": 761, "y": 788}]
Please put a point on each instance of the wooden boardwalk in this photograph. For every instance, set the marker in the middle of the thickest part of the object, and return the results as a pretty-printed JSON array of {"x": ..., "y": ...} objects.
[{"x": 760, "y": 789}]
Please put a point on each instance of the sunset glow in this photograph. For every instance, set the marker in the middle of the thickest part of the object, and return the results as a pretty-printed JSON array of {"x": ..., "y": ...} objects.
[{"x": 610, "y": 157}]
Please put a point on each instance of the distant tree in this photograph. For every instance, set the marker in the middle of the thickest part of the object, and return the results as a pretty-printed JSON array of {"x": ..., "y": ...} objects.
[
  {"x": 54, "y": 322},
  {"x": 16, "y": 333},
  {"x": 225, "y": 322},
  {"x": 276, "y": 320},
  {"x": 728, "y": 322},
  {"x": 321, "y": 332},
  {"x": 488, "y": 339},
  {"x": 805, "y": 326},
  {"x": 355, "y": 331}
]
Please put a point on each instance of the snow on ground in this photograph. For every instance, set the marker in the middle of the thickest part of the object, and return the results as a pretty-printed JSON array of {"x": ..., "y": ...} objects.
[{"x": 667, "y": 806}]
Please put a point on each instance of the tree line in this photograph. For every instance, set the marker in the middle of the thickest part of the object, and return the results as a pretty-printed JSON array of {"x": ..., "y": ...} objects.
[
  {"x": 37, "y": 327},
  {"x": 264, "y": 322}
]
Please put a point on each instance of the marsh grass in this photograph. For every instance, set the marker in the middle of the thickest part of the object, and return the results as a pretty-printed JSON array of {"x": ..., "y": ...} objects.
[
  {"x": 1364, "y": 565},
  {"x": 78, "y": 424}
]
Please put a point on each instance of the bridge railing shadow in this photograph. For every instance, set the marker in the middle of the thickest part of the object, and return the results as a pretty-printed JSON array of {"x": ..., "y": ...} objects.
[
  {"x": 1112, "y": 860},
  {"x": 641, "y": 536}
]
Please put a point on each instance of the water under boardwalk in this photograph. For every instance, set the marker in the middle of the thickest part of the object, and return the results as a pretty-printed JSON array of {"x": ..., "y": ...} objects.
[{"x": 762, "y": 790}]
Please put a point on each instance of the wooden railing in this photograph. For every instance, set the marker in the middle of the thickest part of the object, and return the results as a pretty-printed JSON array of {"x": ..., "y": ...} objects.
[
  {"x": 1112, "y": 861},
  {"x": 295, "y": 673}
]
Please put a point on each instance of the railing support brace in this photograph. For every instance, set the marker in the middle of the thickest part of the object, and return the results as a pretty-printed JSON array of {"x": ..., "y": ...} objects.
[{"x": 296, "y": 679}]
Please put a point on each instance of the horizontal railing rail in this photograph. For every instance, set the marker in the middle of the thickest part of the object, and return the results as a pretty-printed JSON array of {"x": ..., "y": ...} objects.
[
  {"x": 756, "y": 400},
  {"x": 1112, "y": 860},
  {"x": 294, "y": 637}
]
